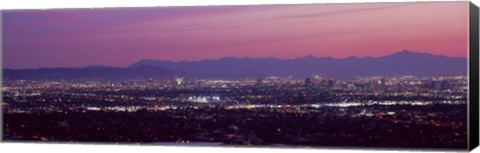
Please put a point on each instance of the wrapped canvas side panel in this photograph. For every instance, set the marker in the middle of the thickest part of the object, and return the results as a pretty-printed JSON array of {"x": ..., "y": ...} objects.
[{"x": 474, "y": 75}]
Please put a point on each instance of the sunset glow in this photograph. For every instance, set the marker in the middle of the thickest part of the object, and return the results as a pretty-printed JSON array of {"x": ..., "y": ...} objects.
[{"x": 122, "y": 36}]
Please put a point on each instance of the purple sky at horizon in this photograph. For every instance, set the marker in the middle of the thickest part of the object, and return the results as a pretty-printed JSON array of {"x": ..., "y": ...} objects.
[{"x": 122, "y": 36}]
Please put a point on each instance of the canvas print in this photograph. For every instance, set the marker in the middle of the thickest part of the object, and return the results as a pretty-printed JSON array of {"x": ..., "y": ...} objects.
[{"x": 382, "y": 75}]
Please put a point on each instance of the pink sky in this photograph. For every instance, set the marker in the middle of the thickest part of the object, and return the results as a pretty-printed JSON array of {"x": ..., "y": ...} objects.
[{"x": 121, "y": 36}]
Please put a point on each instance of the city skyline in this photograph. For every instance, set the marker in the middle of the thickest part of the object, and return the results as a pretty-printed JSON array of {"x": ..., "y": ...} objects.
[{"x": 121, "y": 36}]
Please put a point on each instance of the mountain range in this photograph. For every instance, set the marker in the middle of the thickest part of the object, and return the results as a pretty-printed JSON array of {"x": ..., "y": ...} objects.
[{"x": 398, "y": 64}]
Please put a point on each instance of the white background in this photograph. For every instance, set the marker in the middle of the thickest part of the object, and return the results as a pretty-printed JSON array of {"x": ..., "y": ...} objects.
[{"x": 84, "y": 148}]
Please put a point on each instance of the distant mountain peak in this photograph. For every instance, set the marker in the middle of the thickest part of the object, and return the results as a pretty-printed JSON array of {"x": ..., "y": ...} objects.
[
  {"x": 351, "y": 57},
  {"x": 405, "y": 51},
  {"x": 310, "y": 56},
  {"x": 408, "y": 53},
  {"x": 230, "y": 58}
]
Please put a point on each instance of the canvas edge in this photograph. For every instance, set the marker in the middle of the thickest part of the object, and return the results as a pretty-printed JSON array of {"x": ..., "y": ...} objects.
[{"x": 473, "y": 107}]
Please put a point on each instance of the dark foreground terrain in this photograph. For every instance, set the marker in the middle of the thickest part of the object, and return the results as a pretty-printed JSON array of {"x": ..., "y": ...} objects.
[{"x": 443, "y": 126}]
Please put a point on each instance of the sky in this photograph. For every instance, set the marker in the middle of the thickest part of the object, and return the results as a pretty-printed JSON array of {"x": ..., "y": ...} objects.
[{"x": 122, "y": 36}]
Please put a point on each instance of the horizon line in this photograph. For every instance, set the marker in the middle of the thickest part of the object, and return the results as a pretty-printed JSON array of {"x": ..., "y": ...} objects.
[{"x": 254, "y": 58}]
